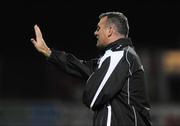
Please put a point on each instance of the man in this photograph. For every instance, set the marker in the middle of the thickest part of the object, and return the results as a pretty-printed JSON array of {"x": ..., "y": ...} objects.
[{"x": 115, "y": 86}]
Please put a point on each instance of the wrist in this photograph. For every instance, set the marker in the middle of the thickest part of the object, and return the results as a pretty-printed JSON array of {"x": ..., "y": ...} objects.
[{"x": 47, "y": 52}]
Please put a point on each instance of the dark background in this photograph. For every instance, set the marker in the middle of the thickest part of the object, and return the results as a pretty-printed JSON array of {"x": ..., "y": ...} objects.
[{"x": 69, "y": 26}]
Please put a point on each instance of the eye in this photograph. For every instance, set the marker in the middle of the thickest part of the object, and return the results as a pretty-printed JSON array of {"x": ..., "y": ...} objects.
[{"x": 98, "y": 28}]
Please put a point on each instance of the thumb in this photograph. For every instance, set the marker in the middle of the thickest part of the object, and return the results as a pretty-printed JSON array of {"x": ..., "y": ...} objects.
[{"x": 33, "y": 41}]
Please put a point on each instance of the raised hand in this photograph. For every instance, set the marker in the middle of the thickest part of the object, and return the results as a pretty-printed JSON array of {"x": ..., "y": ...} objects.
[{"x": 39, "y": 43}]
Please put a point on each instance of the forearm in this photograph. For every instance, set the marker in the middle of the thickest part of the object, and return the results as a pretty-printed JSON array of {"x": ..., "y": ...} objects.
[{"x": 69, "y": 63}]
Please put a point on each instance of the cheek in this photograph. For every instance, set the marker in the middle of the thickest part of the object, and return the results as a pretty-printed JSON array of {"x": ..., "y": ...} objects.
[{"x": 104, "y": 35}]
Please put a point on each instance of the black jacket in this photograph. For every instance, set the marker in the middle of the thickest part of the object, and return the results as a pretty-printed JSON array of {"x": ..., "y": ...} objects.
[{"x": 115, "y": 88}]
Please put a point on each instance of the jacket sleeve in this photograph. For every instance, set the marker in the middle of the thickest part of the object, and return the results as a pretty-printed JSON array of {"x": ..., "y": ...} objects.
[
  {"x": 70, "y": 64},
  {"x": 107, "y": 81}
]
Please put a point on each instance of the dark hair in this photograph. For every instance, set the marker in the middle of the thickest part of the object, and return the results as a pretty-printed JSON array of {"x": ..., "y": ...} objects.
[{"x": 119, "y": 20}]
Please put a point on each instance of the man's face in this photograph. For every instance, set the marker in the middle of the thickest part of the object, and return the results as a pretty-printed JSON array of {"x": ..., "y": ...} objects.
[{"x": 101, "y": 33}]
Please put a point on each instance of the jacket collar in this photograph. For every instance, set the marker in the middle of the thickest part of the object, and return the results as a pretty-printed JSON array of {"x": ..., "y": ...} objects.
[{"x": 120, "y": 43}]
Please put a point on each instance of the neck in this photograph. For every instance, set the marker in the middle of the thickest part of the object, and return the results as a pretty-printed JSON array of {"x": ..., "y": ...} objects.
[{"x": 115, "y": 38}]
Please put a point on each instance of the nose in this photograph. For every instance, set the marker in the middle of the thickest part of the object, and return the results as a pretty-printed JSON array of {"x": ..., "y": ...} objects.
[{"x": 96, "y": 32}]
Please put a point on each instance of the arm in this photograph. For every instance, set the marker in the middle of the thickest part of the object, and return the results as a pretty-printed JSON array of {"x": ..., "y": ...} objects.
[
  {"x": 71, "y": 64},
  {"x": 66, "y": 61}
]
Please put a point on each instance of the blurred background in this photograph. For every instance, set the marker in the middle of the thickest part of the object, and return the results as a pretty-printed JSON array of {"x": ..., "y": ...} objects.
[{"x": 35, "y": 93}]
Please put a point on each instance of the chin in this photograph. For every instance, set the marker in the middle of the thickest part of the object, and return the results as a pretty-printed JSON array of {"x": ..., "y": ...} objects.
[{"x": 99, "y": 46}]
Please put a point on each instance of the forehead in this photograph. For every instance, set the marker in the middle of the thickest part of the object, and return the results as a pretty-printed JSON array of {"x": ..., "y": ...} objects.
[{"x": 102, "y": 20}]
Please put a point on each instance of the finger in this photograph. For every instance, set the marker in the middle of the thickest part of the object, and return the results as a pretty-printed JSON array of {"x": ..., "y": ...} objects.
[
  {"x": 37, "y": 32},
  {"x": 33, "y": 41}
]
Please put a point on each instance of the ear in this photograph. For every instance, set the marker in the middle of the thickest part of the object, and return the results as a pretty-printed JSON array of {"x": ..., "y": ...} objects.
[{"x": 110, "y": 31}]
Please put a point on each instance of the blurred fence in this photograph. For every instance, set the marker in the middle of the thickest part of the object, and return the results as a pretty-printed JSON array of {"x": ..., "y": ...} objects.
[
  {"x": 56, "y": 113},
  {"x": 43, "y": 113}
]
